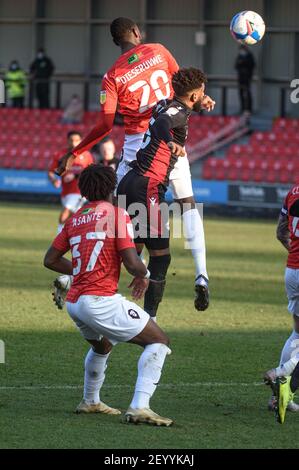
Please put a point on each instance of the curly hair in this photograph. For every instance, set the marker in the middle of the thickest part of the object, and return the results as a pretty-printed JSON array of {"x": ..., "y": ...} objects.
[
  {"x": 97, "y": 182},
  {"x": 186, "y": 80},
  {"x": 119, "y": 28}
]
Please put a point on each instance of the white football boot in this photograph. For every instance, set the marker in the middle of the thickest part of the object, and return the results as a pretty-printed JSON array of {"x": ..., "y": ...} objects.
[
  {"x": 146, "y": 415},
  {"x": 101, "y": 407},
  {"x": 62, "y": 285}
]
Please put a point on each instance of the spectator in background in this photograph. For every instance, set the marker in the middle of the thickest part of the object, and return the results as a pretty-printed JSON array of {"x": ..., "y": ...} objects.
[
  {"x": 41, "y": 70},
  {"x": 74, "y": 111},
  {"x": 107, "y": 153},
  {"x": 15, "y": 83},
  {"x": 244, "y": 65},
  {"x": 71, "y": 198}
]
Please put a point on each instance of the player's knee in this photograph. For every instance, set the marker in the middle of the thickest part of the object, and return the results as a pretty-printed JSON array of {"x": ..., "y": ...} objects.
[
  {"x": 158, "y": 335},
  {"x": 101, "y": 347},
  {"x": 165, "y": 340},
  {"x": 187, "y": 203},
  {"x": 158, "y": 267}
]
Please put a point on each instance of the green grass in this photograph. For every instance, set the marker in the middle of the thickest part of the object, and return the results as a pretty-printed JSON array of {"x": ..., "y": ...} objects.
[{"x": 233, "y": 342}]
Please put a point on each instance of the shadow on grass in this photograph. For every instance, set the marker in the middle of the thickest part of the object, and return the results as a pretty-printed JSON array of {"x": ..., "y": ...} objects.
[{"x": 195, "y": 388}]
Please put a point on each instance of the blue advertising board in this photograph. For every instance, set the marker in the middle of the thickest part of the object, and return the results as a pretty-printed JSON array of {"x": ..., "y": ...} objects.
[
  {"x": 37, "y": 182},
  {"x": 211, "y": 192},
  {"x": 208, "y": 192},
  {"x": 23, "y": 181}
]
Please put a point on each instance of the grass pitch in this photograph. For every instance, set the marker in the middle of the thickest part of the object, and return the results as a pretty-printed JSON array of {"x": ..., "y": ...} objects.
[{"x": 211, "y": 384}]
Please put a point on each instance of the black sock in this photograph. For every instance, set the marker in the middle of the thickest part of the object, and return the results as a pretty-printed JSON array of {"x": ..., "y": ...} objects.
[{"x": 158, "y": 266}]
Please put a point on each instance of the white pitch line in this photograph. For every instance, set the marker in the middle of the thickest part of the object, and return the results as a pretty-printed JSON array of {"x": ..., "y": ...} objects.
[{"x": 178, "y": 385}]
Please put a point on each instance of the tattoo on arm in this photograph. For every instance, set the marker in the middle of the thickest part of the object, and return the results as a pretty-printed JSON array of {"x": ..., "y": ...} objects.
[{"x": 282, "y": 231}]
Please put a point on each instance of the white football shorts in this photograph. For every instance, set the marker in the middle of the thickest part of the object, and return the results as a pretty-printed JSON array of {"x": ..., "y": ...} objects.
[
  {"x": 114, "y": 317},
  {"x": 292, "y": 289},
  {"x": 73, "y": 202},
  {"x": 180, "y": 181}
]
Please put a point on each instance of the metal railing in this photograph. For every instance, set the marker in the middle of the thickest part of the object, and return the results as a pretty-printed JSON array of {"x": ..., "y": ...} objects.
[{"x": 223, "y": 83}]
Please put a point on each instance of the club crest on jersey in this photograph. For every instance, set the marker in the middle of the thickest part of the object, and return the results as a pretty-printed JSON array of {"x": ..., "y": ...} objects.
[
  {"x": 133, "y": 314},
  {"x": 133, "y": 58},
  {"x": 103, "y": 96}
]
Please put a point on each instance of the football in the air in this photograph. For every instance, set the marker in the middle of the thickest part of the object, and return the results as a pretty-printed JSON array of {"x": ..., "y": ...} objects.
[{"x": 247, "y": 27}]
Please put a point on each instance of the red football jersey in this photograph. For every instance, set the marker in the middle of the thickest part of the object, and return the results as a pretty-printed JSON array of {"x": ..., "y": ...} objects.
[
  {"x": 293, "y": 257},
  {"x": 135, "y": 83},
  {"x": 69, "y": 181},
  {"x": 96, "y": 234}
]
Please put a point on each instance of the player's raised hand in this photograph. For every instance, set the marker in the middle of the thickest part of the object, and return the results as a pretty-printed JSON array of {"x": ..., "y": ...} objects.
[
  {"x": 207, "y": 103},
  {"x": 65, "y": 163},
  {"x": 139, "y": 287},
  {"x": 176, "y": 149}
]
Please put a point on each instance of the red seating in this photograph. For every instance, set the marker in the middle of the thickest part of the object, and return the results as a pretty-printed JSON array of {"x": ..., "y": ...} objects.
[
  {"x": 271, "y": 156},
  {"x": 29, "y": 137}
]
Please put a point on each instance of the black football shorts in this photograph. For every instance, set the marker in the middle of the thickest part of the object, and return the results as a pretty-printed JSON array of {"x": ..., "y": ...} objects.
[{"x": 144, "y": 200}]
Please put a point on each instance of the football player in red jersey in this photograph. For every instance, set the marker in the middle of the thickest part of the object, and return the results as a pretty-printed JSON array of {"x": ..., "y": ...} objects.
[
  {"x": 136, "y": 82},
  {"x": 99, "y": 236},
  {"x": 288, "y": 235},
  {"x": 71, "y": 198}
]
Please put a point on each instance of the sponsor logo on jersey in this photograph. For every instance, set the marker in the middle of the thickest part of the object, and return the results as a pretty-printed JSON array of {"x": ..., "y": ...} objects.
[
  {"x": 172, "y": 111},
  {"x": 133, "y": 314},
  {"x": 140, "y": 68},
  {"x": 86, "y": 211},
  {"x": 103, "y": 96},
  {"x": 133, "y": 58}
]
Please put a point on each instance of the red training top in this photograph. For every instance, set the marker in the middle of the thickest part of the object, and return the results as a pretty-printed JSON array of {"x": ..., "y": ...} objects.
[
  {"x": 69, "y": 181},
  {"x": 293, "y": 257},
  {"x": 96, "y": 234},
  {"x": 135, "y": 83}
]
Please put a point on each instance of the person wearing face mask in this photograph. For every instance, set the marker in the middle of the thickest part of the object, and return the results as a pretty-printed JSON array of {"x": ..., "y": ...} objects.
[
  {"x": 15, "y": 82},
  {"x": 245, "y": 65},
  {"x": 41, "y": 70}
]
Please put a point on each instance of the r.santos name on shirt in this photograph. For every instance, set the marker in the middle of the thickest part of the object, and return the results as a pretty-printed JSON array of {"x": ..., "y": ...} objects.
[{"x": 139, "y": 69}]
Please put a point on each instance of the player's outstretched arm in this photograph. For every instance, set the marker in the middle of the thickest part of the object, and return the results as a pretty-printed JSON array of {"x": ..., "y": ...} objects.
[
  {"x": 103, "y": 127},
  {"x": 64, "y": 163},
  {"x": 55, "y": 261}
]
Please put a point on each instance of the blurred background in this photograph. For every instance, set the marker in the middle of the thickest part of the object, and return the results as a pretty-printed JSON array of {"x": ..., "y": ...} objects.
[{"x": 244, "y": 156}]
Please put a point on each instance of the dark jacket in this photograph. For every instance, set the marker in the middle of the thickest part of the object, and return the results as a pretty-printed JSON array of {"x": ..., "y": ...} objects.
[
  {"x": 245, "y": 65},
  {"x": 42, "y": 68}
]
